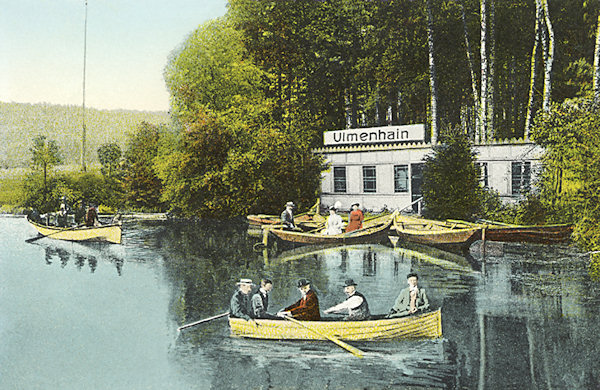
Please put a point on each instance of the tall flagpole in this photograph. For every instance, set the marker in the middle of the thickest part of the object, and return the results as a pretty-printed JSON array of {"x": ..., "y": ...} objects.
[{"x": 83, "y": 105}]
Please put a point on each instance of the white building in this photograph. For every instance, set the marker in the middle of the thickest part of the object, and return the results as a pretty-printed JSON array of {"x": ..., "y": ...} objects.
[{"x": 379, "y": 175}]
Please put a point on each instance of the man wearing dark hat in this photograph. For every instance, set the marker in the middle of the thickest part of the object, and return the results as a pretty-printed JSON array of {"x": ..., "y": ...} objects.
[
  {"x": 287, "y": 216},
  {"x": 260, "y": 300},
  {"x": 307, "y": 307},
  {"x": 355, "y": 305},
  {"x": 240, "y": 305},
  {"x": 411, "y": 300},
  {"x": 355, "y": 219}
]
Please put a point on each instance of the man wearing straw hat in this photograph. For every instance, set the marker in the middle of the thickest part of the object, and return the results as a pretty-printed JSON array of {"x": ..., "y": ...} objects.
[
  {"x": 241, "y": 304},
  {"x": 287, "y": 216},
  {"x": 355, "y": 305}
]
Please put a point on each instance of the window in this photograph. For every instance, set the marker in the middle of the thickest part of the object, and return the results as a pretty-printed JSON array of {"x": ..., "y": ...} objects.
[
  {"x": 521, "y": 177},
  {"x": 483, "y": 174},
  {"x": 400, "y": 178},
  {"x": 339, "y": 179},
  {"x": 369, "y": 179}
]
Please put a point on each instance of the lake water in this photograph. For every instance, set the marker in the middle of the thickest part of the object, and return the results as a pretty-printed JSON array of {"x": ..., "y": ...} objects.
[{"x": 95, "y": 316}]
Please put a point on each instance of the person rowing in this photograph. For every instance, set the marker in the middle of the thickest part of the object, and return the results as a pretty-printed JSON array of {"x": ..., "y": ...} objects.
[
  {"x": 307, "y": 307},
  {"x": 355, "y": 305}
]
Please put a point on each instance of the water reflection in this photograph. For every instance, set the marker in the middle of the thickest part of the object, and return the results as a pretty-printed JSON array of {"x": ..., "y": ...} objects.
[{"x": 514, "y": 316}]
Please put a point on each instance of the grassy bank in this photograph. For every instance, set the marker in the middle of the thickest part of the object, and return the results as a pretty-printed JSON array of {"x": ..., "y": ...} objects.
[{"x": 11, "y": 189}]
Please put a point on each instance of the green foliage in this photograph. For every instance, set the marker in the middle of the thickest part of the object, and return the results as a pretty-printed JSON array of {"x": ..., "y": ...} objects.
[
  {"x": 109, "y": 156},
  {"x": 451, "y": 187},
  {"x": 570, "y": 180},
  {"x": 45, "y": 154},
  {"x": 142, "y": 185}
]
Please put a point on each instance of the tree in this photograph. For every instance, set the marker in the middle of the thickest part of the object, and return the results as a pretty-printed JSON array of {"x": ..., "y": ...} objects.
[
  {"x": 451, "y": 187},
  {"x": 570, "y": 179},
  {"x": 109, "y": 156},
  {"x": 432, "y": 75},
  {"x": 142, "y": 185},
  {"x": 596, "y": 82},
  {"x": 534, "y": 54},
  {"x": 45, "y": 155}
]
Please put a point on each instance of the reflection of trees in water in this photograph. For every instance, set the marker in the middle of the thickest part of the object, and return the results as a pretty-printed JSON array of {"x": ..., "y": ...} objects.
[{"x": 76, "y": 252}]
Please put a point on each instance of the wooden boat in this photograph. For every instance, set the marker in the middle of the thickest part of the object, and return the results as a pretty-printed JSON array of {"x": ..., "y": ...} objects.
[
  {"x": 450, "y": 236},
  {"x": 541, "y": 234},
  {"x": 312, "y": 215},
  {"x": 423, "y": 326},
  {"x": 374, "y": 231},
  {"x": 104, "y": 233}
]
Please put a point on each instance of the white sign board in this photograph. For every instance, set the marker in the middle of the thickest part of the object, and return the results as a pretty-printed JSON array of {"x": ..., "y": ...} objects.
[{"x": 372, "y": 135}]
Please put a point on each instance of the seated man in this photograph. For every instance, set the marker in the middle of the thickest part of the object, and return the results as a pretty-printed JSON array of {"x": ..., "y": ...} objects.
[
  {"x": 355, "y": 305},
  {"x": 260, "y": 300},
  {"x": 307, "y": 307},
  {"x": 240, "y": 305},
  {"x": 287, "y": 216},
  {"x": 411, "y": 300}
]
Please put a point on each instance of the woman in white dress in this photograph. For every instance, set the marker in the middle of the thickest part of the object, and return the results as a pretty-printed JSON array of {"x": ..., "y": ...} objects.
[{"x": 334, "y": 224}]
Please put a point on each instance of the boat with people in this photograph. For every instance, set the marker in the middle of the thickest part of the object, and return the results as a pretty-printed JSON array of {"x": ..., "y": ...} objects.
[
  {"x": 453, "y": 236},
  {"x": 538, "y": 234},
  {"x": 103, "y": 233},
  {"x": 373, "y": 231},
  {"x": 310, "y": 216},
  {"x": 427, "y": 325}
]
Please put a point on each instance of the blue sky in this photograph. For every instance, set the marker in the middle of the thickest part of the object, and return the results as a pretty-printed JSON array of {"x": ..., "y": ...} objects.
[{"x": 128, "y": 43}]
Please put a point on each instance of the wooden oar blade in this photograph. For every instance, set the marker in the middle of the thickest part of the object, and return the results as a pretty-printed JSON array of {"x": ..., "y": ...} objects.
[
  {"x": 202, "y": 321},
  {"x": 353, "y": 350}
]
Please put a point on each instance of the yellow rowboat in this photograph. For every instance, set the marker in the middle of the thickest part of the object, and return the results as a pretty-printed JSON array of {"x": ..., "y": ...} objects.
[
  {"x": 422, "y": 326},
  {"x": 105, "y": 233}
]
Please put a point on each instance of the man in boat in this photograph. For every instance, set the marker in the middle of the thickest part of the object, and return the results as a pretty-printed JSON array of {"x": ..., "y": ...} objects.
[
  {"x": 91, "y": 217},
  {"x": 355, "y": 304},
  {"x": 355, "y": 219},
  {"x": 307, "y": 307},
  {"x": 411, "y": 300},
  {"x": 287, "y": 216},
  {"x": 240, "y": 305},
  {"x": 334, "y": 223},
  {"x": 260, "y": 300}
]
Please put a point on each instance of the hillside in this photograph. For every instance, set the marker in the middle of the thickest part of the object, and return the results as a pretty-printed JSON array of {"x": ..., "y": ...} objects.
[{"x": 20, "y": 123}]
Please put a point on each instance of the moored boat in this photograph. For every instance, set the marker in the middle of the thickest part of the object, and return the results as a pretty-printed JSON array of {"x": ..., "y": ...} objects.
[
  {"x": 422, "y": 326},
  {"x": 451, "y": 236},
  {"x": 104, "y": 233},
  {"x": 540, "y": 234},
  {"x": 374, "y": 231}
]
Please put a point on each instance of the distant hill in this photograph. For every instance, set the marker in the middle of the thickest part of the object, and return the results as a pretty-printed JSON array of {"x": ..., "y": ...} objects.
[{"x": 20, "y": 123}]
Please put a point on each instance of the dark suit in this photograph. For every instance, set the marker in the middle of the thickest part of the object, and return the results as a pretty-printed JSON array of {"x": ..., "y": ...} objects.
[
  {"x": 260, "y": 304},
  {"x": 307, "y": 308},
  {"x": 287, "y": 219}
]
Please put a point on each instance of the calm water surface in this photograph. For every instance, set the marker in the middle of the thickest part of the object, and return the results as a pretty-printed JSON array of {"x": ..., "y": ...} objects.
[{"x": 93, "y": 316}]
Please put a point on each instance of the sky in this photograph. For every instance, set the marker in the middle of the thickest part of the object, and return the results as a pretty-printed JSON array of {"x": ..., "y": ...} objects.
[{"x": 128, "y": 44}]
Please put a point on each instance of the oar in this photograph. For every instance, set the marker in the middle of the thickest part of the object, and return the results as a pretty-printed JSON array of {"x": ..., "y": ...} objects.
[
  {"x": 203, "y": 321},
  {"x": 40, "y": 235},
  {"x": 353, "y": 350}
]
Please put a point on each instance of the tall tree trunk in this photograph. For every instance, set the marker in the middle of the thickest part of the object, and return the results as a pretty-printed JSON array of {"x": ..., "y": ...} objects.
[
  {"x": 550, "y": 59},
  {"x": 533, "y": 73},
  {"x": 490, "y": 78},
  {"x": 471, "y": 68},
  {"x": 484, "y": 69},
  {"x": 432, "y": 75},
  {"x": 597, "y": 66}
]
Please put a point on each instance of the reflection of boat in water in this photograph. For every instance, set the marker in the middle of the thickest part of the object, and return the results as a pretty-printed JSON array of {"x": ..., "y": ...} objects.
[
  {"x": 104, "y": 233},
  {"x": 374, "y": 231},
  {"x": 452, "y": 236},
  {"x": 422, "y": 326}
]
